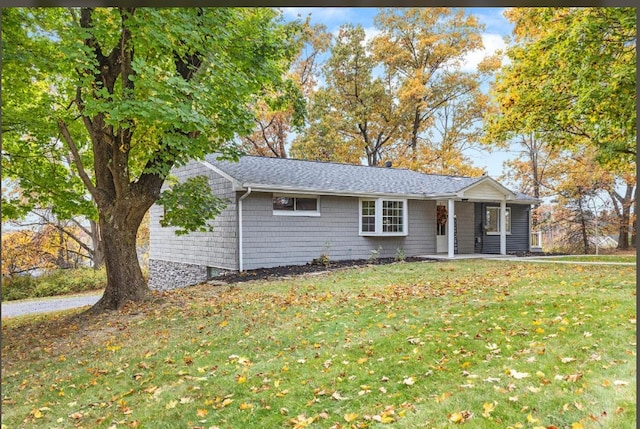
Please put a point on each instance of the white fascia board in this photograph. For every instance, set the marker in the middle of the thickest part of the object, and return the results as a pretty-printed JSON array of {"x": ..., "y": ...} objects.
[
  {"x": 257, "y": 187},
  {"x": 236, "y": 185}
]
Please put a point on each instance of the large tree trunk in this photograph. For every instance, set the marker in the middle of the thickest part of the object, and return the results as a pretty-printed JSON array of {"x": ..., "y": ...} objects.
[{"x": 124, "y": 275}]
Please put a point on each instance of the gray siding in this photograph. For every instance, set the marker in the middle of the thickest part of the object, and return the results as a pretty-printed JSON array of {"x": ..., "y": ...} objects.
[
  {"x": 271, "y": 241},
  {"x": 213, "y": 249},
  {"x": 465, "y": 220},
  {"x": 517, "y": 241}
]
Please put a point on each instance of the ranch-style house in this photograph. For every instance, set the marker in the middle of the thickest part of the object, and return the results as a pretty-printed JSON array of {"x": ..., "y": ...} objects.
[{"x": 289, "y": 212}]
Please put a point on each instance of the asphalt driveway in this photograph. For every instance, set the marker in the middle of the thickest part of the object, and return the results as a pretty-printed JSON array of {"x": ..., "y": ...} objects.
[{"x": 46, "y": 305}]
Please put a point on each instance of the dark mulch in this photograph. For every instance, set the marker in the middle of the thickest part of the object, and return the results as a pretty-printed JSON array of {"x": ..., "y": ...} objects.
[{"x": 293, "y": 270}]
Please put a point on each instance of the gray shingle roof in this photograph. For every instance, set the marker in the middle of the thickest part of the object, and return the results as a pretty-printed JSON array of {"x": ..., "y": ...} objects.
[{"x": 293, "y": 174}]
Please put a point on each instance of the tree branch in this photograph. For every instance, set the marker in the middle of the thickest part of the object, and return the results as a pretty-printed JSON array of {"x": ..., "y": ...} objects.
[{"x": 76, "y": 159}]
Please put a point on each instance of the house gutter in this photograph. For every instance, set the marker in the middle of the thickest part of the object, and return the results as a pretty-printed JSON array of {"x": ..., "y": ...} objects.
[{"x": 240, "y": 234}]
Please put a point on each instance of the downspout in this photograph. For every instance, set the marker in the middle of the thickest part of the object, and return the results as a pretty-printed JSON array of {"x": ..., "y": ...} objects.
[{"x": 240, "y": 234}]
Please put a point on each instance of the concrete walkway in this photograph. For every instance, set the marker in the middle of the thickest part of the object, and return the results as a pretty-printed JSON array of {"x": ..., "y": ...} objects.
[
  {"x": 558, "y": 260},
  {"x": 542, "y": 259},
  {"x": 46, "y": 305}
]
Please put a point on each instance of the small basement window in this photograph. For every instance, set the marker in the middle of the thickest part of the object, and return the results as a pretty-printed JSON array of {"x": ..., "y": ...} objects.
[{"x": 288, "y": 205}]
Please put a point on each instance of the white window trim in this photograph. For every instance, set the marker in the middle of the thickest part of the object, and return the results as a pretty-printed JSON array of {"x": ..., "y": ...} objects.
[
  {"x": 497, "y": 232},
  {"x": 298, "y": 213},
  {"x": 378, "y": 216}
]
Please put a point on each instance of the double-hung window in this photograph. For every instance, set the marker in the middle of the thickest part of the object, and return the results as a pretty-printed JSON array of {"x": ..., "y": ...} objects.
[
  {"x": 293, "y": 205},
  {"x": 492, "y": 220},
  {"x": 383, "y": 217}
]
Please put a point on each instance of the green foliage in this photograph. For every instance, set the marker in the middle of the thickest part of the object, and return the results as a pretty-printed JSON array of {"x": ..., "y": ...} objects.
[
  {"x": 475, "y": 344},
  {"x": 58, "y": 282},
  {"x": 571, "y": 73},
  {"x": 99, "y": 104},
  {"x": 187, "y": 204},
  {"x": 400, "y": 254}
]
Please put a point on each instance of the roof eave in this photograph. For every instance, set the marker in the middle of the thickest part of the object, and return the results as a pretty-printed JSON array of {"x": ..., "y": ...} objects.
[{"x": 261, "y": 187}]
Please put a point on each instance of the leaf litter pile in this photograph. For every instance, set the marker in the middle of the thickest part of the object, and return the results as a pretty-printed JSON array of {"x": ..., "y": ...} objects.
[{"x": 475, "y": 344}]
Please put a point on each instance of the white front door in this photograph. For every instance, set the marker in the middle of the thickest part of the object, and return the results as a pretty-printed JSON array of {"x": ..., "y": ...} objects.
[{"x": 442, "y": 243}]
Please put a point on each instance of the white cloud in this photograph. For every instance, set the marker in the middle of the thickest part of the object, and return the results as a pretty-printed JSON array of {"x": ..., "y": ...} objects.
[
  {"x": 370, "y": 33},
  {"x": 491, "y": 43}
]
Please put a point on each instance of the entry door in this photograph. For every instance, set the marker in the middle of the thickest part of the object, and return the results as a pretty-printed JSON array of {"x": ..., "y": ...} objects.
[{"x": 442, "y": 243}]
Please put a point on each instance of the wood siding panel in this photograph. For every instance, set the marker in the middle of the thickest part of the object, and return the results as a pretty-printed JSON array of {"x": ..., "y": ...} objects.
[
  {"x": 213, "y": 249},
  {"x": 271, "y": 240},
  {"x": 483, "y": 191}
]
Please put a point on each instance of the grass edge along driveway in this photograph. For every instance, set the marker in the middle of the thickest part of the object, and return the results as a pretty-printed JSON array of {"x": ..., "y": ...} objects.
[{"x": 480, "y": 344}]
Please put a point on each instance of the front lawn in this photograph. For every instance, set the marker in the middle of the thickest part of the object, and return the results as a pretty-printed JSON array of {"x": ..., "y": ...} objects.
[
  {"x": 480, "y": 344},
  {"x": 599, "y": 258}
]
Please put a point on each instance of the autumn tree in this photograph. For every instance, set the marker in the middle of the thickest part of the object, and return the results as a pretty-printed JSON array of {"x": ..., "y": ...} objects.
[
  {"x": 423, "y": 51},
  {"x": 122, "y": 95},
  {"x": 24, "y": 251},
  {"x": 279, "y": 114},
  {"x": 322, "y": 140},
  {"x": 358, "y": 105},
  {"x": 571, "y": 79},
  {"x": 78, "y": 236},
  {"x": 43, "y": 245}
]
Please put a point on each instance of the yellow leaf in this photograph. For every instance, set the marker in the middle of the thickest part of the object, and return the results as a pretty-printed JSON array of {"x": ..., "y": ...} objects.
[
  {"x": 531, "y": 419},
  {"x": 577, "y": 425},
  {"x": 242, "y": 379},
  {"x": 349, "y": 417},
  {"x": 362, "y": 360},
  {"x": 171, "y": 404},
  {"x": 487, "y": 408},
  {"x": 460, "y": 417},
  {"x": 223, "y": 323},
  {"x": 202, "y": 412},
  {"x": 455, "y": 417},
  {"x": 245, "y": 406},
  {"x": 37, "y": 414}
]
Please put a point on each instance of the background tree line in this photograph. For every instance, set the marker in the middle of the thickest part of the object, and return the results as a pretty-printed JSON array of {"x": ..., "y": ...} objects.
[{"x": 564, "y": 101}]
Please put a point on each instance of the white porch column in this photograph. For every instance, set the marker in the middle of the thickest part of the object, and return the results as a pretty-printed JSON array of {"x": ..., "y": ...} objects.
[
  {"x": 450, "y": 230},
  {"x": 503, "y": 227}
]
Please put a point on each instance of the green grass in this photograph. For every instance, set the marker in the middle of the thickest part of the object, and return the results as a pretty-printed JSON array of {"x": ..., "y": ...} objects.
[
  {"x": 598, "y": 258},
  {"x": 486, "y": 344}
]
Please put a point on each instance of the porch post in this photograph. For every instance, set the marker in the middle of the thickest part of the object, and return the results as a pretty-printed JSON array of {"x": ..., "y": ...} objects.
[
  {"x": 503, "y": 227},
  {"x": 450, "y": 229}
]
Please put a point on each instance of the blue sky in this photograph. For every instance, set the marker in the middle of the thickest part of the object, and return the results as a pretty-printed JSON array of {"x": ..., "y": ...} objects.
[{"x": 496, "y": 28}]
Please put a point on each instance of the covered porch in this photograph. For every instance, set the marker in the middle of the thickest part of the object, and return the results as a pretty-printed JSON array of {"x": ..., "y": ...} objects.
[{"x": 482, "y": 220}]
